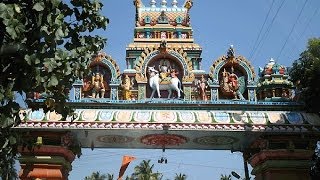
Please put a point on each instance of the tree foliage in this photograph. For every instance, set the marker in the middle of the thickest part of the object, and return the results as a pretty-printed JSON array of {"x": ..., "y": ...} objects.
[
  {"x": 45, "y": 45},
  {"x": 305, "y": 72},
  {"x": 97, "y": 176},
  {"x": 180, "y": 177},
  {"x": 144, "y": 171},
  {"x": 225, "y": 177}
]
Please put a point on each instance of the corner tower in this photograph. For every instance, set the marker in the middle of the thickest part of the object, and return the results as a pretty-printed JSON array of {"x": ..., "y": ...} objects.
[{"x": 163, "y": 36}]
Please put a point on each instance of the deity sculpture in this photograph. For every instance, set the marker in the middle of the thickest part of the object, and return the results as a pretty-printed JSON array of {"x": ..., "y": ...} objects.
[
  {"x": 126, "y": 86},
  {"x": 202, "y": 86},
  {"x": 164, "y": 68},
  {"x": 230, "y": 84},
  {"x": 99, "y": 89}
]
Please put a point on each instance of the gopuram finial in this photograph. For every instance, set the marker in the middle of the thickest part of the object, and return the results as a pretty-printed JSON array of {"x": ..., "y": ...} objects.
[
  {"x": 174, "y": 3},
  {"x": 188, "y": 4},
  {"x": 137, "y": 3},
  {"x": 153, "y": 3},
  {"x": 230, "y": 52},
  {"x": 163, "y": 3}
]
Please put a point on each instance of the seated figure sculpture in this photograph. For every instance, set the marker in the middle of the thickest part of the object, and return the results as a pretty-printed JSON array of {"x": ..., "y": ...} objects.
[
  {"x": 126, "y": 86},
  {"x": 164, "y": 68}
]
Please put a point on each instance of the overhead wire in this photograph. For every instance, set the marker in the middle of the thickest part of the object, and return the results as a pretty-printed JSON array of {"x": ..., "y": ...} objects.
[
  {"x": 269, "y": 27},
  {"x": 144, "y": 156},
  {"x": 265, "y": 20},
  {"x": 294, "y": 25},
  {"x": 305, "y": 28}
]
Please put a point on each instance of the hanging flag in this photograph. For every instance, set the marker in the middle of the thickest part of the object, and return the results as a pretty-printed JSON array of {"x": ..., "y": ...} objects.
[{"x": 125, "y": 163}]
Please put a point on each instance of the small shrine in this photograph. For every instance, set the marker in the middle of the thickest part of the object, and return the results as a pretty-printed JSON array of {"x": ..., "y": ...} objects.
[{"x": 274, "y": 83}]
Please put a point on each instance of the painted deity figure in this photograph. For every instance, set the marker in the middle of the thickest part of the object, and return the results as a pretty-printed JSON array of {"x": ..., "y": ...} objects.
[
  {"x": 164, "y": 68},
  {"x": 230, "y": 84},
  {"x": 99, "y": 89},
  {"x": 233, "y": 82},
  {"x": 126, "y": 86},
  {"x": 202, "y": 86}
]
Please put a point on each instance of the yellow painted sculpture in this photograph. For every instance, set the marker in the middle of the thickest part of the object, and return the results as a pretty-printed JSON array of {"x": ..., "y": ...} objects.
[{"x": 126, "y": 87}]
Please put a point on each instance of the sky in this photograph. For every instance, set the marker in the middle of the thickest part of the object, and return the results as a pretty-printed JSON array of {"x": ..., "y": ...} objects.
[{"x": 258, "y": 30}]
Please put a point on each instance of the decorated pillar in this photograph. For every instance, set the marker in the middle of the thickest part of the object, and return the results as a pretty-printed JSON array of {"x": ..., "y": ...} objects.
[
  {"x": 49, "y": 158},
  {"x": 281, "y": 157},
  {"x": 142, "y": 91},
  {"x": 77, "y": 90}
]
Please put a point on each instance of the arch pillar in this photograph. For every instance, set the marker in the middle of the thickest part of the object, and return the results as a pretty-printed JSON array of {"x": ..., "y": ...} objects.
[
  {"x": 50, "y": 162},
  {"x": 281, "y": 164},
  {"x": 281, "y": 157}
]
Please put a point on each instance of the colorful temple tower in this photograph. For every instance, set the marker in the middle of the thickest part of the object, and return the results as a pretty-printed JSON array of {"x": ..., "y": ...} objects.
[{"x": 163, "y": 38}]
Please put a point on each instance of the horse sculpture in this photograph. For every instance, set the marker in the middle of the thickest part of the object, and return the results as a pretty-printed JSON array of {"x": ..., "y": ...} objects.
[{"x": 154, "y": 82}]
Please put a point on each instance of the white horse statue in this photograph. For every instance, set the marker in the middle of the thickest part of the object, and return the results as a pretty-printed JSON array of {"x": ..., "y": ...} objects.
[{"x": 154, "y": 82}]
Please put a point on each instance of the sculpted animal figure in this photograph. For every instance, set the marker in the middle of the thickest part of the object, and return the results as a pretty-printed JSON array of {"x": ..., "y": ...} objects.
[{"x": 154, "y": 82}]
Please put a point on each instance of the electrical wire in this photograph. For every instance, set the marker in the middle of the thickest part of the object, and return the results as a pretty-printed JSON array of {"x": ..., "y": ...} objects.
[
  {"x": 294, "y": 25},
  {"x": 305, "y": 29},
  {"x": 269, "y": 27},
  {"x": 265, "y": 20}
]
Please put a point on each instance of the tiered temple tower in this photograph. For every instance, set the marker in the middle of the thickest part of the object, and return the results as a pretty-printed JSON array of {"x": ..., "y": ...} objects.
[{"x": 163, "y": 38}]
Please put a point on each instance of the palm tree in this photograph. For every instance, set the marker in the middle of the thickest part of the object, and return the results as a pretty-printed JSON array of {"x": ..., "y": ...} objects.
[
  {"x": 144, "y": 171},
  {"x": 225, "y": 177},
  {"x": 180, "y": 177},
  {"x": 110, "y": 176},
  {"x": 96, "y": 176}
]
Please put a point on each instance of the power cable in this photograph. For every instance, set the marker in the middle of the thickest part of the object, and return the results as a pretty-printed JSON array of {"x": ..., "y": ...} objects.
[
  {"x": 305, "y": 28},
  {"x": 294, "y": 25},
  {"x": 270, "y": 25},
  {"x": 265, "y": 20}
]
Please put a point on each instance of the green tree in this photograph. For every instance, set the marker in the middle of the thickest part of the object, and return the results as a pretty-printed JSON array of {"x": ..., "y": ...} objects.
[
  {"x": 225, "y": 177},
  {"x": 180, "y": 177},
  {"x": 144, "y": 171},
  {"x": 110, "y": 176},
  {"x": 96, "y": 176},
  {"x": 305, "y": 73},
  {"x": 45, "y": 45}
]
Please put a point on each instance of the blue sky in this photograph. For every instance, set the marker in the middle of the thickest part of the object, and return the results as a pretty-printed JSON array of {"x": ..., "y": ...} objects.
[{"x": 216, "y": 25}]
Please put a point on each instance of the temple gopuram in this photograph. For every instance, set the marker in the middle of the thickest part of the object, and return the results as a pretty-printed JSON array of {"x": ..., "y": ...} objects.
[{"x": 165, "y": 100}]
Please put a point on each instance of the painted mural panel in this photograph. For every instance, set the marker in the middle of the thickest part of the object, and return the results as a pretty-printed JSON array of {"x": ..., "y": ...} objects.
[
  {"x": 204, "y": 117},
  {"x": 142, "y": 116},
  {"x": 165, "y": 116},
  {"x": 311, "y": 118},
  {"x": 124, "y": 116},
  {"x": 276, "y": 117},
  {"x": 221, "y": 117},
  {"x": 294, "y": 118},
  {"x": 89, "y": 115},
  {"x": 37, "y": 115},
  {"x": 239, "y": 117},
  {"x": 187, "y": 117},
  {"x": 106, "y": 115},
  {"x": 257, "y": 117},
  {"x": 53, "y": 116}
]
